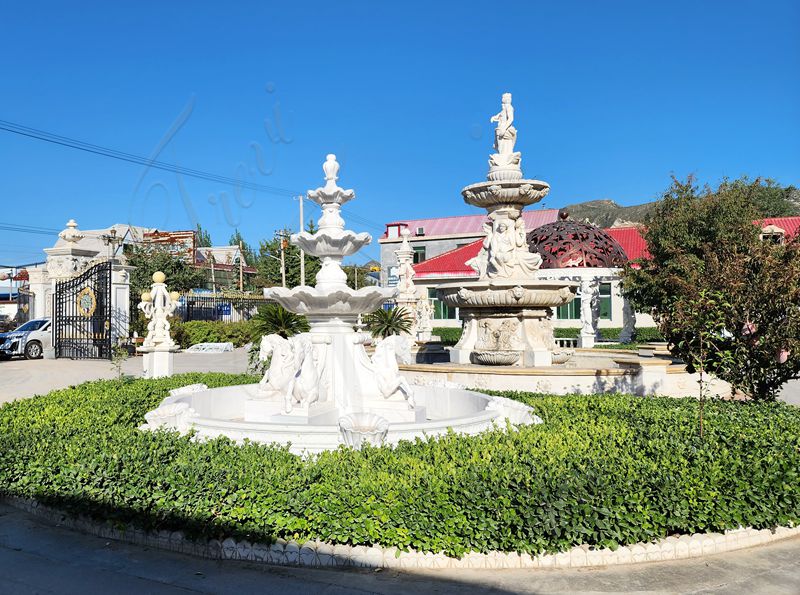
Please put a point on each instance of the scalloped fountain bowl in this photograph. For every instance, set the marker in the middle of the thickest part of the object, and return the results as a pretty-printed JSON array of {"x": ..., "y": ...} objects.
[
  {"x": 221, "y": 412},
  {"x": 341, "y": 302}
]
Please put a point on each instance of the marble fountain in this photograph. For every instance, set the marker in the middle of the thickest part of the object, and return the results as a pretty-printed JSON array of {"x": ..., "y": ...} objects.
[{"x": 322, "y": 389}]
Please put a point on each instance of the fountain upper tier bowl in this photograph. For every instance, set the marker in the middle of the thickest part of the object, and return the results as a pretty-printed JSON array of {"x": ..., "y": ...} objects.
[
  {"x": 504, "y": 293},
  {"x": 332, "y": 303},
  {"x": 333, "y": 242},
  {"x": 489, "y": 195}
]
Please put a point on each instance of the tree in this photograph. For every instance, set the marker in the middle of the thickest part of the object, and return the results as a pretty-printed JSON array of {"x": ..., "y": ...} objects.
[
  {"x": 269, "y": 266},
  {"x": 247, "y": 250},
  {"x": 705, "y": 249},
  {"x": 203, "y": 237},
  {"x": 181, "y": 275},
  {"x": 357, "y": 276},
  {"x": 769, "y": 198}
]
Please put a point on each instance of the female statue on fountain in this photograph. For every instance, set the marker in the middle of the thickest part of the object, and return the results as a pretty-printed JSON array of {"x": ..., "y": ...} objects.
[{"x": 505, "y": 135}]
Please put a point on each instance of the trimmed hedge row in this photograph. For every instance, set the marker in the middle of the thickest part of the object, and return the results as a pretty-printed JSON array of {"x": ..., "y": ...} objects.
[
  {"x": 642, "y": 335},
  {"x": 190, "y": 333},
  {"x": 448, "y": 335},
  {"x": 602, "y": 470}
]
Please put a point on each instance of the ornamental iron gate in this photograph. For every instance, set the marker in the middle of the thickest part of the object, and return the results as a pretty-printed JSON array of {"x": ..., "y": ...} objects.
[{"x": 82, "y": 315}]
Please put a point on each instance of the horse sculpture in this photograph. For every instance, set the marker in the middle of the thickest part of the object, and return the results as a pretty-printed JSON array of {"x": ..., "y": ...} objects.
[
  {"x": 292, "y": 374},
  {"x": 388, "y": 352}
]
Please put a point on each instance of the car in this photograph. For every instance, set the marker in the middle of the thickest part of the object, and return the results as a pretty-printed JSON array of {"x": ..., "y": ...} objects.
[{"x": 28, "y": 340}]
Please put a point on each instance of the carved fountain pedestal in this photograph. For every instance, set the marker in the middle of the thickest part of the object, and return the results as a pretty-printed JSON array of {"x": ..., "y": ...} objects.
[{"x": 507, "y": 312}]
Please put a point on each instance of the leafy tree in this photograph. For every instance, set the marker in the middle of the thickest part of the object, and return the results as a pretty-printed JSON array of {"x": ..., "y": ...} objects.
[
  {"x": 769, "y": 198},
  {"x": 247, "y": 250},
  {"x": 181, "y": 275},
  {"x": 383, "y": 323},
  {"x": 269, "y": 266},
  {"x": 203, "y": 237},
  {"x": 705, "y": 249},
  {"x": 357, "y": 276}
]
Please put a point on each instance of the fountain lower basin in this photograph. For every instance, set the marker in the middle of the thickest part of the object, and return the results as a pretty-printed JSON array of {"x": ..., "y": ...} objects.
[{"x": 221, "y": 412}]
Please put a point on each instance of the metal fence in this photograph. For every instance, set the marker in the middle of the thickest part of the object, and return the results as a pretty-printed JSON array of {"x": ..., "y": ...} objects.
[{"x": 217, "y": 306}]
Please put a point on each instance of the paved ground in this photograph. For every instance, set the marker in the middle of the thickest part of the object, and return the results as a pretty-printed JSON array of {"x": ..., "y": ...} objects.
[
  {"x": 25, "y": 378},
  {"x": 41, "y": 558}
]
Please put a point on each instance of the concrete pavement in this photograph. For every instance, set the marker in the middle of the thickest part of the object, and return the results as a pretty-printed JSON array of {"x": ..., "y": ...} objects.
[
  {"x": 41, "y": 558},
  {"x": 20, "y": 378}
]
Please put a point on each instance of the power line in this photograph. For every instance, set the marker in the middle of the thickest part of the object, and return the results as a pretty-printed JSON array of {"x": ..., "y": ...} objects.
[
  {"x": 73, "y": 143},
  {"x": 28, "y": 229}
]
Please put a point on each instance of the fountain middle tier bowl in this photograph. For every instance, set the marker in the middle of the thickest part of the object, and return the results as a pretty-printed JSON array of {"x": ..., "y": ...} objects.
[
  {"x": 505, "y": 293},
  {"x": 488, "y": 195},
  {"x": 330, "y": 302},
  {"x": 331, "y": 242}
]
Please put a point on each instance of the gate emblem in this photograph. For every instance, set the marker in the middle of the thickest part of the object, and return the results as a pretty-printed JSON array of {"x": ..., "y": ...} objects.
[{"x": 86, "y": 302}]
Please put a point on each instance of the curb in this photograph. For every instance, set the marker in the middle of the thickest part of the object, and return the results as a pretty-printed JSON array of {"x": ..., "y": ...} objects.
[{"x": 324, "y": 555}]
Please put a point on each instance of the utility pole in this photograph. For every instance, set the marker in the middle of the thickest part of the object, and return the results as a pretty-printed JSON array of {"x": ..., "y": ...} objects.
[
  {"x": 302, "y": 254},
  {"x": 283, "y": 260},
  {"x": 241, "y": 267}
]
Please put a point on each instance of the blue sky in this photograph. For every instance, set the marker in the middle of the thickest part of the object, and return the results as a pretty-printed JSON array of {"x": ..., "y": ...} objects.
[{"x": 610, "y": 97}]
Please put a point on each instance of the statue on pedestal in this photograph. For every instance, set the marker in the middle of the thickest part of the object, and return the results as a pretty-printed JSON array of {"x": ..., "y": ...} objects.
[{"x": 505, "y": 135}]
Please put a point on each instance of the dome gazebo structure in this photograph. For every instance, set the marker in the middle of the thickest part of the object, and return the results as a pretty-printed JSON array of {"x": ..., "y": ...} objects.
[
  {"x": 566, "y": 243},
  {"x": 583, "y": 252}
]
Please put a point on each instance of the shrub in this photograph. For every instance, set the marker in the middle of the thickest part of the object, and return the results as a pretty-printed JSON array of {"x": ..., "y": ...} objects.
[
  {"x": 602, "y": 470},
  {"x": 448, "y": 335},
  {"x": 190, "y": 333}
]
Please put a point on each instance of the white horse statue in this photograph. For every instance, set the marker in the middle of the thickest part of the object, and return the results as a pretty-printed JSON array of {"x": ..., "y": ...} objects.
[
  {"x": 388, "y": 352},
  {"x": 307, "y": 382},
  {"x": 292, "y": 373}
]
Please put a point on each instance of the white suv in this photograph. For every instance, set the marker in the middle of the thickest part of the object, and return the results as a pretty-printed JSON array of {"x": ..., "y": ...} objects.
[{"x": 29, "y": 340}]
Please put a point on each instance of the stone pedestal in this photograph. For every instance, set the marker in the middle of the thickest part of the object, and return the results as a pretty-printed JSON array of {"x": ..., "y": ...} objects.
[
  {"x": 157, "y": 362},
  {"x": 586, "y": 341},
  {"x": 272, "y": 411}
]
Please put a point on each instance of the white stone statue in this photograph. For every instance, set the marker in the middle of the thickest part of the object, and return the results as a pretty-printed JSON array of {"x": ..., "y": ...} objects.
[
  {"x": 628, "y": 322},
  {"x": 505, "y": 135},
  {"x": 405, "y": 270},
  {"x": 424, "y": 316},
  {"x": 293, "y": 375},
  {"x": 388, "y": 352},
  {"x": 283, "y": 368},
  {"x": 158, "y": 305},
  {"x": 589, "y": 291},
  {"x": 504, "y": 253}
]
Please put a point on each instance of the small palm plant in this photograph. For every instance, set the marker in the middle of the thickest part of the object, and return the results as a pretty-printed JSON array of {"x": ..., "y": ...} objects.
[
  {"x": 383, "y": 323},
  {"x": 274, "y": 319}
]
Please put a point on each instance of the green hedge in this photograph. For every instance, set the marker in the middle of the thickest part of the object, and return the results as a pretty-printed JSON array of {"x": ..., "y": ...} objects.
[
  {"x": 601, "y": 470},
  {"x": 642, "y": 335},
  {"x": 448, "y": 335},
  {"x": 190, "y": 333}
]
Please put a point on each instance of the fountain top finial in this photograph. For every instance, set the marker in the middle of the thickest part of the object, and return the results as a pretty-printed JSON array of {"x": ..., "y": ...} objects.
[
  {"x": 331, "y": 168},
  {"x": 331, "y": 193}
]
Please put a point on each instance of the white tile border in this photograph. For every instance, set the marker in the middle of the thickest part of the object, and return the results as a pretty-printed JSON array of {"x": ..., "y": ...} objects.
[{"x": 319, "y": 554}]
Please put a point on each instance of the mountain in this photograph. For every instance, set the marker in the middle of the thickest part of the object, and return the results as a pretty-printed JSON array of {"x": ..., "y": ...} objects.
[{"x": 607, "y": 213}]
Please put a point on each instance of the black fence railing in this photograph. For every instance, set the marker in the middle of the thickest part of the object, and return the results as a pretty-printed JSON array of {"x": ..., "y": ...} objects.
[{"x": 219, "y": 306}]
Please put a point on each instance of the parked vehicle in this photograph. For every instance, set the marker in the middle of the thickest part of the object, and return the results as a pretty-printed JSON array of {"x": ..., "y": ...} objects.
[{"x": 28, "y": 340}]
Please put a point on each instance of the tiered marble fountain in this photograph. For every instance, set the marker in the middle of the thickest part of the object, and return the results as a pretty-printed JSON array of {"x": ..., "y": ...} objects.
[
  {"x": 507, "y": 311},
  {"x": 322, "y": 389}
]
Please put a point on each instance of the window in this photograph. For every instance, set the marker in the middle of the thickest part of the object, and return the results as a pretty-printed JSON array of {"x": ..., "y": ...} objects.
[
  {"x": 420, "y": 231},
  {"x": 441, "y": 311},
  {"x": 392, "y": 231},
  {"x": 570, "y": 311},
  {"x": 419, "y": 254},
  {"x": 604, "y": 301}
]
